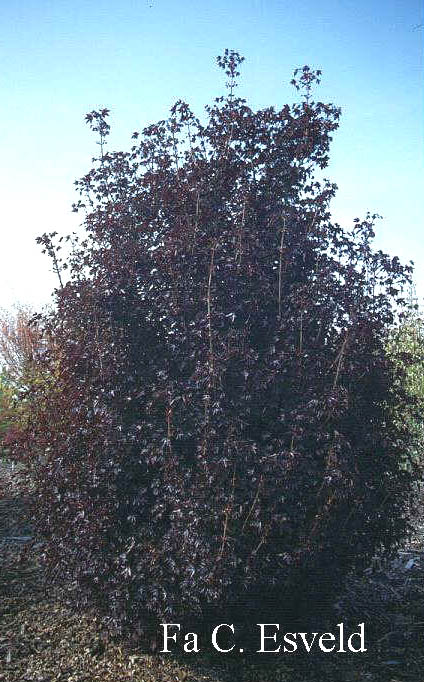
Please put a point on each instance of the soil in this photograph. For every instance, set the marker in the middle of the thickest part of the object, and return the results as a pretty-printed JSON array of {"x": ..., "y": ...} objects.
[{"x": 43, "y": 638}]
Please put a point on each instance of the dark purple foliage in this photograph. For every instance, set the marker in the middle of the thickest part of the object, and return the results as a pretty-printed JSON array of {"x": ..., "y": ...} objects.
[{"x": 222, "y": 418}]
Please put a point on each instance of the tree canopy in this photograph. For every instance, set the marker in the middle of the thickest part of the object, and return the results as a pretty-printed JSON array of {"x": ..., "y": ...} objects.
[{"x": 220, "y": 432}]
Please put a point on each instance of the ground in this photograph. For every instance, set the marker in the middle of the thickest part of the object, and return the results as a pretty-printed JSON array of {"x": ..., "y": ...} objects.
[{"x": 43, "y": 639}]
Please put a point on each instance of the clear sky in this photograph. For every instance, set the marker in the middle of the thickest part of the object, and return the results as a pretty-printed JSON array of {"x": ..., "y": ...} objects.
[{"x": 61, "y": 59}]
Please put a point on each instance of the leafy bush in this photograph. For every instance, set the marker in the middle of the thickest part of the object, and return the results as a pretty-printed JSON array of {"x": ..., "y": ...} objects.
[
  {"x": 22, "y": 348},
  {"x": 5, "y": 402},
  {"x": 219, "y": 433},
  {"x": 19, "y": 346},
  {"x": 406, "y": 348},
  {"x": 20, "y": 343}
]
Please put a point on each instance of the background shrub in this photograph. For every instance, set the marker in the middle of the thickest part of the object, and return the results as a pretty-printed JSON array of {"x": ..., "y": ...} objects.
[
  {"x": 406, "y": 348},
  {"x": 219, "y": 427},
  {"x": 21, "y": 351},
  {"x": 5, "y": 403}
]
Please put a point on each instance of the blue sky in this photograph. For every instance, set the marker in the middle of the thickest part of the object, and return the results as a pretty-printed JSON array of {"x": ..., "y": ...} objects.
[{"x": 61, "y": 59}]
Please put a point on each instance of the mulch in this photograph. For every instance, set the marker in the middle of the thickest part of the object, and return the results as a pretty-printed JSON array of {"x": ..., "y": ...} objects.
[{"x": 43, "y": 638}]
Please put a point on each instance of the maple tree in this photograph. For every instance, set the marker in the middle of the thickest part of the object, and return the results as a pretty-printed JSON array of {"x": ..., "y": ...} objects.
[{"x": 219, "y": 436}]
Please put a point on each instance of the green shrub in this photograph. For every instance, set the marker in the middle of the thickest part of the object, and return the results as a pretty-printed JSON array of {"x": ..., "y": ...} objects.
[{"x": 406, "y": 348}]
